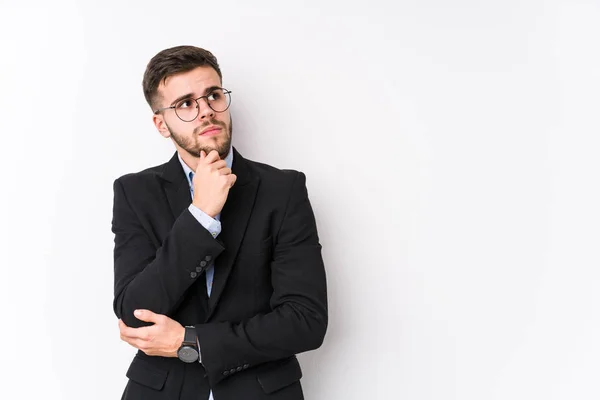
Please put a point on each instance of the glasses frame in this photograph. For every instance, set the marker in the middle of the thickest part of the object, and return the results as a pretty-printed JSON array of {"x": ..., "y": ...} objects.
[{"x": 225, "y": 92}]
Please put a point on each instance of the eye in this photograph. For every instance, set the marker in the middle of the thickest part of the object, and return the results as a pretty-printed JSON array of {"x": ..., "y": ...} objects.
[
  {"x": 185, "y": 103},
  {"x": 216, "y": 95}
]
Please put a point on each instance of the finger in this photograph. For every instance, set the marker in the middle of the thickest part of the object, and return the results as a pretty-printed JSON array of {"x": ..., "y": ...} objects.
[
  {"x": 124, "y": 328},
  {"x": 147, "y": 316},
  {"x": 202, "y": 155},
  {"x": 135, "y": 333},
  {"x": 232, "y": 178},
  {"x": 225, "y": 171},
  {"x": 218, "y": 165},
  {"x": 128, "y": 339},
  {"x": 212, "y": 157},
  {"x": 137, "y": 343}
]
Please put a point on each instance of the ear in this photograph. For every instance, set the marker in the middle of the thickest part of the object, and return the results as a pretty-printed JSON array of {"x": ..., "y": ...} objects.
[{"x": 161, "y": 126}]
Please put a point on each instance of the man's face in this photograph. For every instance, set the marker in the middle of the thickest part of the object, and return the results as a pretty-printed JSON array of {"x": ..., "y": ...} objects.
[{"x": 189, "y": 136}]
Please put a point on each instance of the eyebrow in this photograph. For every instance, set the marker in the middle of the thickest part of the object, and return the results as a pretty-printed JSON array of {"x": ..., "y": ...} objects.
[{"x": 191, "y": 95}]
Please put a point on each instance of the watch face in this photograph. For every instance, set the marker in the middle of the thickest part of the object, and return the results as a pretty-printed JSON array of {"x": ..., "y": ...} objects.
[{"x": 187, "y": 354}]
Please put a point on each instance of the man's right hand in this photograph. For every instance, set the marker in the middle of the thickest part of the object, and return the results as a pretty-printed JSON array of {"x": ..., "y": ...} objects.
[{"x": 212, "y": 181}]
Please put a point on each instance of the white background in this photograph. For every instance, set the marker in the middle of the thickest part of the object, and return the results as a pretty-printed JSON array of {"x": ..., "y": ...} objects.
[{"x": 451, "y": 156}]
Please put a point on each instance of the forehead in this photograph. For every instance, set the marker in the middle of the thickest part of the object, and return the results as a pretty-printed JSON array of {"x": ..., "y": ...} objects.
[{"x": 195, "y": 82}]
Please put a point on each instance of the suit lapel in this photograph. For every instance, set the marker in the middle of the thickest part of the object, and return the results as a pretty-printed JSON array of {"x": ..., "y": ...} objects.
[
  {"x": 234, "y": 219},
  {"x": 234, "y": 215},
  {"x": 177, "y": 189}
]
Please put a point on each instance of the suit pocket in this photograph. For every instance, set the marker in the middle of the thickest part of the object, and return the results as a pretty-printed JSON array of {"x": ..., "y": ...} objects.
[
  {"x": 279, "y": 376},
  {"x": 144, "y": 373}
]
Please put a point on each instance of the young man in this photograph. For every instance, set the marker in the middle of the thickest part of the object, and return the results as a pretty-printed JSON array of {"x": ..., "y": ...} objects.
[{"x": 219, "y": 278}]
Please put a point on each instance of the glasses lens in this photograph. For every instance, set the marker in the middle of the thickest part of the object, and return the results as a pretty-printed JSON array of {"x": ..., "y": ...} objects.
[
  {"x": 187, "y": 110},
  {"x": 219, "y": 100}
]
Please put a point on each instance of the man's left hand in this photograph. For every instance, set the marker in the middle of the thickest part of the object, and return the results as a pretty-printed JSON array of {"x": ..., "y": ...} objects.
[{"x": 161, "y": 339}]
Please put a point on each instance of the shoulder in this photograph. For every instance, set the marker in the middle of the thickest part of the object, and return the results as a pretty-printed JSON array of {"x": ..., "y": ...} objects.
[
  {"x": 141, "y": 178},
  {"x": 274, "y": 177}
]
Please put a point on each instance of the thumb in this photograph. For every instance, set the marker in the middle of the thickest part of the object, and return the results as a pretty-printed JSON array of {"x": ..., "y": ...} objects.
[
  {"x": 202, "y": 154},
  {"x": 145, "y": 315}
]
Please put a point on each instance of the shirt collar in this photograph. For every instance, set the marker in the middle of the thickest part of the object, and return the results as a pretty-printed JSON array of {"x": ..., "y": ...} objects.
[{"x": 187, "y": 170}]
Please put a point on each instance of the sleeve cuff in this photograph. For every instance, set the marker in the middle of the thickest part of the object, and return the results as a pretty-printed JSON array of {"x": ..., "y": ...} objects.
[{"x": 209, "y": 223}]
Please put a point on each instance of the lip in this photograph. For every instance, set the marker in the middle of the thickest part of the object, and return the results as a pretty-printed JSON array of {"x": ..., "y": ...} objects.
[{"x": 211, "y": 130}]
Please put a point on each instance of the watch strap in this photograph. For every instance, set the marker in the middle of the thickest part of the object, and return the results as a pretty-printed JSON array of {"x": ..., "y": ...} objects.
[{"x": 189, "y": 338}]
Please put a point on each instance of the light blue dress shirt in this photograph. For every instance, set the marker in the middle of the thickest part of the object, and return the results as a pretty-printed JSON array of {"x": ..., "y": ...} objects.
[{"x": 210, "y": 224}]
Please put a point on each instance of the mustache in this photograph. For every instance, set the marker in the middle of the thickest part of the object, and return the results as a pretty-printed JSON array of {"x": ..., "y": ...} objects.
[{"x": 199, "y": 129}]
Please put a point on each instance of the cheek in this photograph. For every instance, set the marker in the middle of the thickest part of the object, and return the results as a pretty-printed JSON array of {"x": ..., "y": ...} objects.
[
  {"x": 185, "y": 129},
  {"x": 224, "y": 117},
  {"x": 227, "y": 121}
]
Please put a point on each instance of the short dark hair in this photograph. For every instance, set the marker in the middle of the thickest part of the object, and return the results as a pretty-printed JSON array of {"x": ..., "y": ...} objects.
[{"x": 173, "y": 61}]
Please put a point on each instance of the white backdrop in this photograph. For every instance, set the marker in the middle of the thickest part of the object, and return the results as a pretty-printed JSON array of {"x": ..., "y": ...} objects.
[{"x": 450, "y": 152}]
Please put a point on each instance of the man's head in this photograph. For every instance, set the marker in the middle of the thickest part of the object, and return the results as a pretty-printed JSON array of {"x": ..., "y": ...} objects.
[{"x": 174, "y": 78}]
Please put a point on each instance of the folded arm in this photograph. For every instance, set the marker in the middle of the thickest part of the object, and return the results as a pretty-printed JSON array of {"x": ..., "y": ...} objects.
[{"x": 147, "y": 277}]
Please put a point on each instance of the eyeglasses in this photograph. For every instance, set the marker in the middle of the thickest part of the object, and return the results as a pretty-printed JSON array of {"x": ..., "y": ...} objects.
[{"x": 188, "y": 109}]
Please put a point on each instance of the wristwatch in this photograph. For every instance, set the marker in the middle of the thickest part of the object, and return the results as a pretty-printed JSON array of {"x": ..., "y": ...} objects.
[{"x": 188, "y": 352}]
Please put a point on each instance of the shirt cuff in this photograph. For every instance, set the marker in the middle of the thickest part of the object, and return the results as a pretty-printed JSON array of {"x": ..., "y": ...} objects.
[{"x": 209, "y": 223}]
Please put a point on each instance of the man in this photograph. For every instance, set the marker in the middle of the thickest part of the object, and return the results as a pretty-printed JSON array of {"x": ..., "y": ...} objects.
[{"x": 219, "y": 278}]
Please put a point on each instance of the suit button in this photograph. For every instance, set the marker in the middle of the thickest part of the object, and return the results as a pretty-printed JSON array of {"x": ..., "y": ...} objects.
[
  {"x": 193, "y": 275},
  {"x": 226, "y": 373},
  {"x": 203, "y": 263},
  {"x": 232, "y": 371},
  {"x": 246, "y": 366},
  {"x": 208, "y": 258},
  {"x": 238, "y": 369},
  {"x": 198, "y": 269}
]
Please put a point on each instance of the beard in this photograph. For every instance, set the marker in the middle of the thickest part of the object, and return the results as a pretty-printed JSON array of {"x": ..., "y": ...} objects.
[{"x": 193, "y": 146}]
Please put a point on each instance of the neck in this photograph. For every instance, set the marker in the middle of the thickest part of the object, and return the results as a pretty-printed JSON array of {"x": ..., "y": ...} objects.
[{"x": 190, "y": 160}]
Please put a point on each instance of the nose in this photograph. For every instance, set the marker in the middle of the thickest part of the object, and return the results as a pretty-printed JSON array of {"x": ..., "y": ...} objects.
[{"x": 204, "y": 110}]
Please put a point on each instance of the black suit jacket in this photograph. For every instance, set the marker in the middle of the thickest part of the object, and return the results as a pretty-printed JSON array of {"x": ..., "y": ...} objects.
[{"x": 268, "y": 299}]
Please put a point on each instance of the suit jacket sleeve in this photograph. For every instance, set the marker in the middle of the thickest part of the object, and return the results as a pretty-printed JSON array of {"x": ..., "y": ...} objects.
[
  {"x": 298, "y": 319},
  {"x": 151, "y": 278}
]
